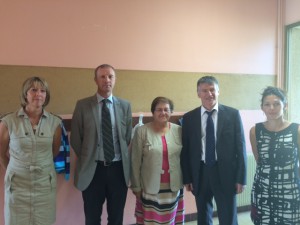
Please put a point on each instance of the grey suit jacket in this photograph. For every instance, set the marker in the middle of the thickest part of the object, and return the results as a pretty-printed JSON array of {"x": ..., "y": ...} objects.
[
  {"x": 86, "y": 133},
  {"x": 230, "y": 147}
]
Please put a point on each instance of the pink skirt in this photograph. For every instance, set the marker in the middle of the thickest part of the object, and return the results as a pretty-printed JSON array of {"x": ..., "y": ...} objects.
[{"x": 166, "y": 207}]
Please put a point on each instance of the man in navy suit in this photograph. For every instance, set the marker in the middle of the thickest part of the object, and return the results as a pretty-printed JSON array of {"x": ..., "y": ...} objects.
[{"x": 219, "y": 175}]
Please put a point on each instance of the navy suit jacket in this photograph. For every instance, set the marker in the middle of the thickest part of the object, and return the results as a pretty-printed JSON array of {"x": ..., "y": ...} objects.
[{"x": 230, "y": 148}]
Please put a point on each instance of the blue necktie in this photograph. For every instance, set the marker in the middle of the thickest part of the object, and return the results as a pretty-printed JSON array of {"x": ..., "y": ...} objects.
[
  {"x": 210, "y": 155},
  {"x": 107, "y": 136}
]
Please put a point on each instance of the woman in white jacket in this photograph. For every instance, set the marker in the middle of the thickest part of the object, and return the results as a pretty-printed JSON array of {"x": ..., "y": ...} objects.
[{"x": 156, "y": 176}]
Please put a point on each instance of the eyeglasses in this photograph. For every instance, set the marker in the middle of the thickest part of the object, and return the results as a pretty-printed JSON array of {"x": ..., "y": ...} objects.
[{"x": 166, "y": 110}]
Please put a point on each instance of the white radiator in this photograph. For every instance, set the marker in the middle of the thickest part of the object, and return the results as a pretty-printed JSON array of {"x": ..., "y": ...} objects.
[{"x": 244, "y": 198}]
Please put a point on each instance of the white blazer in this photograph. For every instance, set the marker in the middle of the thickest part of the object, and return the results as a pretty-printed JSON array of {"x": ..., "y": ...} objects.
[{"x": 147, "y": 157}]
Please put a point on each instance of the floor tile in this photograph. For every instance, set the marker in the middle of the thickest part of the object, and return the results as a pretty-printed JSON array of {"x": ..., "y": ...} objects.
[{"x": 243, "y": 219}]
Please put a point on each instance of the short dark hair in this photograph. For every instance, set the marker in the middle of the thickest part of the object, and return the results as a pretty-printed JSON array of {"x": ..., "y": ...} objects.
[
  {"x": 102, "y": 66},
  {"x": 207, "y": 80},
  {"x": 274, "y": 91},
  {"x": 161, "y": 99}
]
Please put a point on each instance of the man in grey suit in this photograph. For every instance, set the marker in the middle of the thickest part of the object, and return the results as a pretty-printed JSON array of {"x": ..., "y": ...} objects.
[
  {"x": 102, "y": 168},
  {"x": 213, "y": 157}
]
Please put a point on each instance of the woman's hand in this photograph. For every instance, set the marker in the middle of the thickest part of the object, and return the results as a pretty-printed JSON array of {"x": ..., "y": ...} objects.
[
  {"x": 138, "y": 194},
  {"x": 189, "y": 187}
]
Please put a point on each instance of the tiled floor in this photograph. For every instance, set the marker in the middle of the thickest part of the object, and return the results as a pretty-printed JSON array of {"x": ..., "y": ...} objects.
[{"x": 243, "y": 219}]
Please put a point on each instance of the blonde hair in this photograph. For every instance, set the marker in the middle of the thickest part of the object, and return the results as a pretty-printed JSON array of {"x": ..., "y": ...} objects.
[{"x": 34, "y": 82}]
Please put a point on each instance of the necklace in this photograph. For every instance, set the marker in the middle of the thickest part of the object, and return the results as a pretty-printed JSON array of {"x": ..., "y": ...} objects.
[
  {"x": 34, "y": 118},
  {"x": 34, "y": 124}
]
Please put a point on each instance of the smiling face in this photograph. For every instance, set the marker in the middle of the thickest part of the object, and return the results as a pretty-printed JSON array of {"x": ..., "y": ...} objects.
[
  {"x": 162, "y": 112},
  {"x": 273, "y": 107},
  {"x": 208, "y": 93},
  {"x": 36, "y": 96},
  {"x": 105, "y": 79},
  {"x": 35, "y": 92}
]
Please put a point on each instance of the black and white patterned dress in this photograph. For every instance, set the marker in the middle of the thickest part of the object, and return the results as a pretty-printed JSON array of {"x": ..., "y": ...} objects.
[{"x": 275, "y": 196}]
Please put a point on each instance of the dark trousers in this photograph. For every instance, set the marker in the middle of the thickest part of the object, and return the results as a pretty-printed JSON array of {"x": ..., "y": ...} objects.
[
  {"x": 108, "y": 184},
  {"x": 210, "y": 187}
]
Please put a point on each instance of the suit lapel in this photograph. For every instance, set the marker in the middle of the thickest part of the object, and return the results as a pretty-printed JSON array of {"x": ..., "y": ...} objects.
[
  {"x": 117, "y": 110},
  {"x": 221, "y": 115},
  {"x": 197, "y": 120},
  {"x": 95, "y": 109}
]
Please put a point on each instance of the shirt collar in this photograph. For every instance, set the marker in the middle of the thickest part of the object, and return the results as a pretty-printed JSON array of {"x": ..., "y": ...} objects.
[
  {"x": 22, "y": 112},
  {"x": 100, "y": 98},
  {"x": 203, "y": 110}
]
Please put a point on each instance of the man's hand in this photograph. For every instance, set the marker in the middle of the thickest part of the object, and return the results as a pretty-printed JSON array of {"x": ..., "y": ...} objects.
[
  {"x": 189, "y": 187},
  {"x": 240, "y": 188}
]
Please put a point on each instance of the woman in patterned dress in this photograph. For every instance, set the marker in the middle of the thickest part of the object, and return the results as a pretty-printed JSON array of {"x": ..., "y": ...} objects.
[
  {"x": 29, "y": 139},
  {"x": 275, "y": 196},
  {"x": 156, "y": 176}
]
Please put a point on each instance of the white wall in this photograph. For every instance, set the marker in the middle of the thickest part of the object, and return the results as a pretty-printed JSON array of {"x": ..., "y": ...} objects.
[
  {"x": 292, "y": 9},
  {"x": 232, "y": 36}
]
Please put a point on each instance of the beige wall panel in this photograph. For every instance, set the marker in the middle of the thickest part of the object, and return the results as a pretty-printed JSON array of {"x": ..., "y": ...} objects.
[{"x": 67, "y": 85}]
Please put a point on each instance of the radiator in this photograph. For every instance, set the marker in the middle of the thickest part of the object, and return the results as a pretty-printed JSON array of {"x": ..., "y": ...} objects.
[{"x": 243, "y": 200}]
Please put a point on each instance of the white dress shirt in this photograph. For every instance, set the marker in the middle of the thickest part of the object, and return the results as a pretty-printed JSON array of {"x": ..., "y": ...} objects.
[{"x": 203, "y": 127}]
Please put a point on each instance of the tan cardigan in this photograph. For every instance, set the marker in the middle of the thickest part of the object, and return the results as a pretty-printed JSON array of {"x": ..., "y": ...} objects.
[{"x": 146, "y": 159}]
